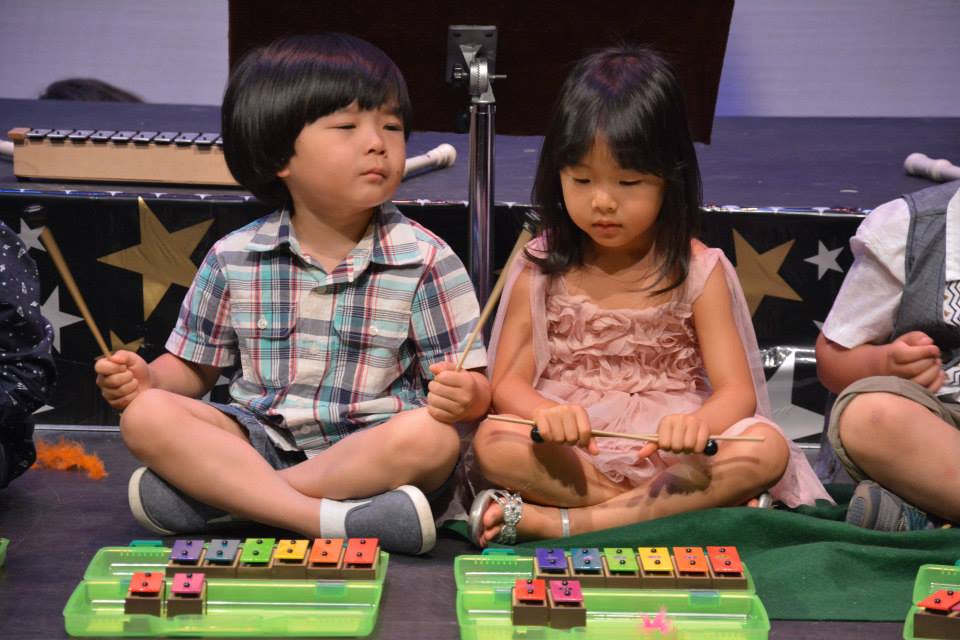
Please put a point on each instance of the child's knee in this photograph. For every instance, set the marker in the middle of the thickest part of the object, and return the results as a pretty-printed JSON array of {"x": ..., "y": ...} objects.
[
  {"x": 138, "y": 421},
  {"x": 495, "y": 450},
  {"x": 485, "y": 443},
  {"x": 865, "y": 417},
  {"x": 425, "y": 442},
  {"x": 775, "y": 453}
]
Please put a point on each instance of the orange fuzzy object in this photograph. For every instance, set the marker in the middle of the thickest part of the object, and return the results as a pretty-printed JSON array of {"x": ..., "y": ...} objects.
[{"x": 67, "y": 455}]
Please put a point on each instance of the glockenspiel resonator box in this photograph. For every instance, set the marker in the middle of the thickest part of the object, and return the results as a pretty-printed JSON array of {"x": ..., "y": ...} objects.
[{"x": 178, "y": 157}]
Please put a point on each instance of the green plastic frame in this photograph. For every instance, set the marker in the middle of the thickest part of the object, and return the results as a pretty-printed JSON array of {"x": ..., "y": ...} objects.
[
  {"x": 930, "y": 578},
  {"x": 484, "y": 585},
  {"x": 235, "y": 607}
]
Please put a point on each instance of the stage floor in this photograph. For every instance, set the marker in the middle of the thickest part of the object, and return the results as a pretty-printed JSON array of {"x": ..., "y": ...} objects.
[{"x": 57, "y": 520}]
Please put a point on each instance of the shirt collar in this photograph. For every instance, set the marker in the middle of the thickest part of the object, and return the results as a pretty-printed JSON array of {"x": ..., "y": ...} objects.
[
  {"x": 273, "y": 232},
  {"x": 390, "y": 239},
  {"x": 394, "y": 241},
  {"x": 953, "y": 238}
]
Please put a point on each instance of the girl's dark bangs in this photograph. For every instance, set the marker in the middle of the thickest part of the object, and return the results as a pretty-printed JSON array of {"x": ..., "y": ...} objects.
[{"x": 630, "y": 142}]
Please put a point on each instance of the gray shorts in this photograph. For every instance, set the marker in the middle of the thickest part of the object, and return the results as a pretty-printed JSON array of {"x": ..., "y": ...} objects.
[
  {"x": 949, "y": 412},
  {"x": 257, "y": 434}
]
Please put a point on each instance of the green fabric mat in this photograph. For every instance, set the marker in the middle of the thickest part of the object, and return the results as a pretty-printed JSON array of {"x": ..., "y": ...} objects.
[{"x": 807, "y": 564}]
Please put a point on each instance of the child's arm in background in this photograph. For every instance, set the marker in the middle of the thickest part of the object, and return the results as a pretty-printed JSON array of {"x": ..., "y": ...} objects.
[
  {"x": 912, "y": 356},
  {"x": 513, "y": 372},
  {"x": 853, "y": 343},
  {"x": 733, "y": 397},
  {"x": 125, "y": 374}
]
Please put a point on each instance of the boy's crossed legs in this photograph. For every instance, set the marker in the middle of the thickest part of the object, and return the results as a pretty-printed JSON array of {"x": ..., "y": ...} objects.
[
  {"x": 899, "y": 434},
  {"x": 207, "y": 454},
  {"x": 547, "y": 474}
]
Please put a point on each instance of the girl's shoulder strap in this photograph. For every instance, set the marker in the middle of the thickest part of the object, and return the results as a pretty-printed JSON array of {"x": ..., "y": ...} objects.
[
  {"x": 536, "y": 285},
  {"x": 703, "y": 260},
  {"x": 537, "y": 246}
]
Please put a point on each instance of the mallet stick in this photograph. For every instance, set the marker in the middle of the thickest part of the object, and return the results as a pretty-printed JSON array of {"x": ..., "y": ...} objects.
[{"x": 54, "y": 250}]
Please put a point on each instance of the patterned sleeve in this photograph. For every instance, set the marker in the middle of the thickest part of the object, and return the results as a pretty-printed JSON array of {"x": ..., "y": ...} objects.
[
  {"x": 27, "y": 371},
  {"x": 445, "y": 311},
  {"x": 203, "y": 333}
]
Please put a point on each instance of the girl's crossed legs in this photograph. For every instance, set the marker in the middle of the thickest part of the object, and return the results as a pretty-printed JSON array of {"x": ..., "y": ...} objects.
[
  {"x": 207, "y": 454},
  {"x": 554, "y": 475}
]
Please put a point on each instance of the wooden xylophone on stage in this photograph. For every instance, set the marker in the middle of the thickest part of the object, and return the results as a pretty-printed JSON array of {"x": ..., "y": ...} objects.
[
  {"x": 179, "y": 157},
  {"x": 170, "y": 157}
]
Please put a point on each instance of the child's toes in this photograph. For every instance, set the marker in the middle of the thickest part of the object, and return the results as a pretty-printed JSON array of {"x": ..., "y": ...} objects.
[
  {"x": 493, "y": 515},
  {"x": 492, "y": 522}
]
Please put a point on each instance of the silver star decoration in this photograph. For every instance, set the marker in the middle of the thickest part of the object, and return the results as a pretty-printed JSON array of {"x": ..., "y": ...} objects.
[
  {"x": 59, "y": 319},
  {"x": 795, "y": 421},
  {"x": 31, "y": 237},
  {"x": 826, "y": 259}
]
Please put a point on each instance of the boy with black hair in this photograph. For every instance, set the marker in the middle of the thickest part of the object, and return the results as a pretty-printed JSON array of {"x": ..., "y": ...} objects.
[{"x": 339, "y": 309}]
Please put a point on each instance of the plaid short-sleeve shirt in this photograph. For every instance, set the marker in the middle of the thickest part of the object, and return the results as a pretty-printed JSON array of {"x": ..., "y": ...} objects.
[{"x": 325, "y": 354}]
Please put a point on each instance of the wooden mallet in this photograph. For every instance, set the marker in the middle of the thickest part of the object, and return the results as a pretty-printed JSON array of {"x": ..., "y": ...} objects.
[
  {"x": 710, "y": 449},
  {"x": 54, "y": 250},
  {"x": 525, "y": 236}
]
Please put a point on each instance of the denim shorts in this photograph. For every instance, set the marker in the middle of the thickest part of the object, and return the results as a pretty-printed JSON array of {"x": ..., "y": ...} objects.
[
  {"x": 257, "y": 434},
  {"x": 949, "y": 412}
]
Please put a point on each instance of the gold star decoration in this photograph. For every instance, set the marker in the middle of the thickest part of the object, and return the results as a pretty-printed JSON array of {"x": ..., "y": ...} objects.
[
  {"x": 116, "y": 343},
  {"x": 162, "y": 258},
  {"x": 758, "y": 272}
]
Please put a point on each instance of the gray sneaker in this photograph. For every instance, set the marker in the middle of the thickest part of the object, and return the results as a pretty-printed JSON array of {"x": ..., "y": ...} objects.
[
  {"x": 873, "y": 507},
  {"x": 401, "y": 519},
  {"x": 164, "y": 509}
]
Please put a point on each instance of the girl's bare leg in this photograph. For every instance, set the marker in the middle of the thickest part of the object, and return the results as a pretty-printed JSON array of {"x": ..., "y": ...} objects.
[
  {"x": 907, "y": 449},
  {"x": 554, "y": 475},
  {"x": 206, "y": 454}
]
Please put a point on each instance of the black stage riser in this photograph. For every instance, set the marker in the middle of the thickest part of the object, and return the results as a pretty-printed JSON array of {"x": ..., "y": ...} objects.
[{"x": 90, "y": 227}]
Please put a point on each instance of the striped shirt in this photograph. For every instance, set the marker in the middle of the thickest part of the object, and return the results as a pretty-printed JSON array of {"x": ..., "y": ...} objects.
[{"x": 323, "y": 355}]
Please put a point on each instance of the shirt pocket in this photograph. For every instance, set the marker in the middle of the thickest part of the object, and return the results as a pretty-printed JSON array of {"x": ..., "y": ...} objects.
[
  {"x": 267, "y": 339},
  {"x": 377, "y": 332}
]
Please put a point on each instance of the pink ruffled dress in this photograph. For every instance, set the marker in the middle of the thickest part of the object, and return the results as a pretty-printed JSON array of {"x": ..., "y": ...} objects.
[{"x": 630, "y": 367}]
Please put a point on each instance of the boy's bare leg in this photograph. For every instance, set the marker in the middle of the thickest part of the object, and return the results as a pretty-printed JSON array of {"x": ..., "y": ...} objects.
[
  {"x": 206, "y": 454},
  {"x": 410, "y": 448},
  {"x": 907, "y": 449},
  {"x": 739, "y": 472}
]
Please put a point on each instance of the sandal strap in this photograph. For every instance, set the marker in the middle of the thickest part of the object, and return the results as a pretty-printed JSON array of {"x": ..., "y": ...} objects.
[{"x": 512, "y": 505}]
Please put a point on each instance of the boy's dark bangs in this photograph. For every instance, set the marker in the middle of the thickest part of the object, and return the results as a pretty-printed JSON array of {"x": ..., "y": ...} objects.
[{"x": 338, "y": 88}]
